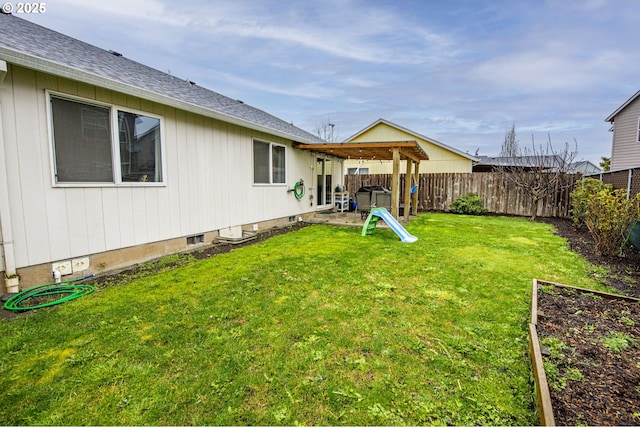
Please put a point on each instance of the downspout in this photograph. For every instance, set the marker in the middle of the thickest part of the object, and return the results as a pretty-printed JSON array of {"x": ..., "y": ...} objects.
[{"x": 11, "y": 280}]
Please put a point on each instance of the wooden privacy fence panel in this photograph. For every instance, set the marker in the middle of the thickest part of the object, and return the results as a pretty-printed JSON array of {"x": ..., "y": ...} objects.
[{"x": 436, "y": 191}]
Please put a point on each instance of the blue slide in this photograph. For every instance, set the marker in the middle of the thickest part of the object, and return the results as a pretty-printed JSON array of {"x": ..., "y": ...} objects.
[{"x": 386, "y": 216}]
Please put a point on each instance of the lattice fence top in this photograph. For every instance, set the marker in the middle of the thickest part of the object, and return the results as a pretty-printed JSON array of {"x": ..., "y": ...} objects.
[{"x": 627, "y": 179}]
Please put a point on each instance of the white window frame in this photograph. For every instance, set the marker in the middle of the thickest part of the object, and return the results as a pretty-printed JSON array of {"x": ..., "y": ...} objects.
[
  {"x": 253, "y": 164},
  {"x": 358, "y": 171},
  {"x": 638, "y": 131},
  {"x": 115, "y": 144}
]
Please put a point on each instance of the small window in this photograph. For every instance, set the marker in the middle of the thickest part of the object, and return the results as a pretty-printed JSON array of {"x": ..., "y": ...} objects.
[
  {"x": 357, "y": 171},
  {"x": 139, "y": 147},
  {"x": 269, "y": 163},
  {"x": 638, "y": 133},
  {"x": 277, "y": 163},
  {"x": 84, "y": 135}
]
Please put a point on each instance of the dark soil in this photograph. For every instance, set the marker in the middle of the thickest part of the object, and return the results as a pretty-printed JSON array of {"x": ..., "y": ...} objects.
[
  {"x": 597, "y": 381},
  {"x": 624, "y": 271}
]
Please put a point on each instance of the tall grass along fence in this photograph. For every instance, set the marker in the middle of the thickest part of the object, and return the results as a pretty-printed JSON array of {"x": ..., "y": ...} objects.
[
  {"x": 436, "y": 191},
  {"x": 626, "y": 179}
]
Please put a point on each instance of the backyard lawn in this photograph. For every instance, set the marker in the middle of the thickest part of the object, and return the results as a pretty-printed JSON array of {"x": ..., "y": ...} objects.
[{"x": 317, "y": 326}]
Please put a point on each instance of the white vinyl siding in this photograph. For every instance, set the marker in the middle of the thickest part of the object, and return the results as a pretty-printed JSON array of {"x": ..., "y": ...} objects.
[
  {"x": 207, "y": 174},
  {"x": 625, "y": 152}
]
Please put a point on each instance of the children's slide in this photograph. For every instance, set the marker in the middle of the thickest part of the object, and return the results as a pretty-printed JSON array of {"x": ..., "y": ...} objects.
[{"x": 386, "y": 216}]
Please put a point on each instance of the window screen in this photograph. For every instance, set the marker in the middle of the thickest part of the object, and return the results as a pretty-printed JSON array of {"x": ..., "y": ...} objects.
[
  {"x": 260, "y": 162},
  {"x": 82, "y": 142}
]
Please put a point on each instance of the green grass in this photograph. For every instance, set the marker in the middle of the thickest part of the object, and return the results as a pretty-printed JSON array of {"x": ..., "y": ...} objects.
[{"x": 319, "y": 326}]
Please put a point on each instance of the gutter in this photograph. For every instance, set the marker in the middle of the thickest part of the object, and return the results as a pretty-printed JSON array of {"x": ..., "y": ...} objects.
[{"x": 12, "y": 282}]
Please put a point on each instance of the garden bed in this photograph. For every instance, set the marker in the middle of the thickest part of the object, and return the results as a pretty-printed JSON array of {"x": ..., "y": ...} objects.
[
  {"x": 596, "y": 384},
  {"x": 590, "y": 345}
]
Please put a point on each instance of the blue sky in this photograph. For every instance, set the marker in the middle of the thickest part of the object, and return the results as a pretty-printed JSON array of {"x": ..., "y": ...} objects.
[{"x": 459, "y": 71}]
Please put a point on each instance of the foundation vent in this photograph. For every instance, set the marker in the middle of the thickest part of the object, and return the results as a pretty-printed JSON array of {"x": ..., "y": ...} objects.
[{"x": 195, "y": 239}]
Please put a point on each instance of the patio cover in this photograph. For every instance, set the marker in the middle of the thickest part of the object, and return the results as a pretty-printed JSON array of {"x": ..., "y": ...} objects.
[{"x": 388, "y": 150}]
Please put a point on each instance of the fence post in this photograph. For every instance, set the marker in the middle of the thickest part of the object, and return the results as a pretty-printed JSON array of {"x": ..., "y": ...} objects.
[{"x": 436, "y": 191}]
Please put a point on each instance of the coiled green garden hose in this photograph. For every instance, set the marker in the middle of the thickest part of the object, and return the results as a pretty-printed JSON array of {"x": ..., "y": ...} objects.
[
  {"x": 298, "y": 189},
  {"x": 67, "y": 292}
]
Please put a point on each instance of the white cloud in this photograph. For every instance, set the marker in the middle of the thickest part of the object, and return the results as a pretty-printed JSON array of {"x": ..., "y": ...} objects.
[
  {"x": 142, "y": 10},
  {"x": 555, "y": 66},
  {"x": 459, "y": 71},
  {"x": 304, "y": 90}
]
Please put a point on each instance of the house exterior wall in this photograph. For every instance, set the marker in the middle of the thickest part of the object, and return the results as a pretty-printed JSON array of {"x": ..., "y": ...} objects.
[
  {"x": 440, "y": 159},
  {"x": 208, "y": 184},
  {"x": 625, "y": 151}
]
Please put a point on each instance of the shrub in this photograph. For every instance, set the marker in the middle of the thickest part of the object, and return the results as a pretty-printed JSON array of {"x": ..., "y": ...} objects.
[
  {"x": 584, "y": 190},
  {"x": 470, "y": 204},
  {"x": 608, "y": 216}
]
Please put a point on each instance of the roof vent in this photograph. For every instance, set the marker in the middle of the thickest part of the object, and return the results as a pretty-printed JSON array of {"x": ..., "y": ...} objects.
[
  {"x": 114, "y": 53},
  {"x": 190, "y": 82},
  {"x": 240, "y": 101}
]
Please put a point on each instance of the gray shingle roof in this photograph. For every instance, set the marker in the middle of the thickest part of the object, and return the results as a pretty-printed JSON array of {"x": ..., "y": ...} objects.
[
  {"x": 26, "y": 38},
  {"x": 519, "y": 161}
]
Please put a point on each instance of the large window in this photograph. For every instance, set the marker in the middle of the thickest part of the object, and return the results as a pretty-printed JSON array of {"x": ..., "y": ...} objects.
[
  {"x": 269, "y": 163},
  {"x": 84, "y": 135}
]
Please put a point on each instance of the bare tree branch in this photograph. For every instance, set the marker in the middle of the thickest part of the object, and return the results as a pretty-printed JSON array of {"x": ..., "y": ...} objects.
[
  {"x": 510, "y": 144},
  {"x": 326, "y": 130},
  {"x": 538, "y": 169}
]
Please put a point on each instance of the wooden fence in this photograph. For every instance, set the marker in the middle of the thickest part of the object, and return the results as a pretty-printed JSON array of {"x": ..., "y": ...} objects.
[{"x": 438, "y": 190}]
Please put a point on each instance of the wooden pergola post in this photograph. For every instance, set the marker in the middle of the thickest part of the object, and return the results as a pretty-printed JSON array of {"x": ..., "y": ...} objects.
[
  {"x": 395, "y": 183},
  {"x": 383, "y": 150},
  {"x": 414, "y": 198},
  {"x": 407, "y": 189}
]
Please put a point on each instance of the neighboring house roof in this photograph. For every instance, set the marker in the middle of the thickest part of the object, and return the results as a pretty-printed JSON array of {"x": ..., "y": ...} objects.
[
  {"x": 522, "y": 161},
  {"x": 415, "y": 134},
  {"x": 584, "y": 167},
  {"x": 487, "y": 163},
  {"x": 612, "y": 116},
  {"x": 32, "y": 46}
]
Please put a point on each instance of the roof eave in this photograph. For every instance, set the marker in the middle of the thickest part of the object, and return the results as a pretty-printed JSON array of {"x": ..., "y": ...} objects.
[
  {"x": 622, "y": 107},
  {"x": 51, "y": 67}
]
